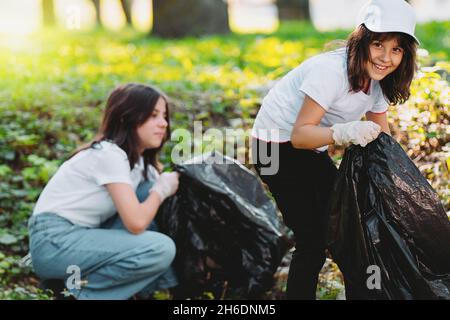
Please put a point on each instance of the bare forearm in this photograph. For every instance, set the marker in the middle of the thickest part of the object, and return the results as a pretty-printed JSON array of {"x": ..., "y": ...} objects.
[
  {"x": 310, "y": 136},
  {"x": 135, "y": 216},
  {"x": 149, "y": 208}
]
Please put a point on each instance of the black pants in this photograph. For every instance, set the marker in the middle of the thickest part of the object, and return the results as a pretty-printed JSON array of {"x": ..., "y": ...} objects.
[{"x": 301, "y": 188}]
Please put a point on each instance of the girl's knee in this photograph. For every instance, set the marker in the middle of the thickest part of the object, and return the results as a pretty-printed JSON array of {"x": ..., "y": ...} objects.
[
  {"x": 168, "y": 250},
  {"x": 161, "y": 250}
]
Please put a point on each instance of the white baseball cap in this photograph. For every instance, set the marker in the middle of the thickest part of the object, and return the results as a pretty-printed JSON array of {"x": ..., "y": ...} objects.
[{"x": 389, "y": 16}]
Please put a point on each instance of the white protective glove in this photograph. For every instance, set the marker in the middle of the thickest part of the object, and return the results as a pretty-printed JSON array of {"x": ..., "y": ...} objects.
[
  {"x": 166, "y": 185},
  {"x": 355, "y": 132}
]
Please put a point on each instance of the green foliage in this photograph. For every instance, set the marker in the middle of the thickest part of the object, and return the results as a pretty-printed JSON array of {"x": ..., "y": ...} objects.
[
  {"x": 161, "y": 295},
  {"x": 24, "y": 293},
  {"x": 435, "y": 37},
  {"x": 54, "y": 86},
  {"x": 15, "y": 281}
]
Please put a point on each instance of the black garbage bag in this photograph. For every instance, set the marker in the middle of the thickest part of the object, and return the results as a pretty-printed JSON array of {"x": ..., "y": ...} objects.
[
  {"x": 228, "y": 235},
  {"x": 384, "y": 213}
]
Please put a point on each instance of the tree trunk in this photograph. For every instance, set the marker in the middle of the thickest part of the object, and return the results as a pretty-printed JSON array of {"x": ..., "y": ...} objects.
[
  {"x": 126, "y": 6},
  {"x": 293, "y": 10},
  {"x": 97, "y": 12},
  {"x": 175, "y": 18},
  {"x": 48, "y": 13}
]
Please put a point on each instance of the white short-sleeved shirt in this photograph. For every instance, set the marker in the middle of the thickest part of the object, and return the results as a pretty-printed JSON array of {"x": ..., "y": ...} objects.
[
  {"x": 77, "y": 191},
  {"x": 324, "y": 79}
]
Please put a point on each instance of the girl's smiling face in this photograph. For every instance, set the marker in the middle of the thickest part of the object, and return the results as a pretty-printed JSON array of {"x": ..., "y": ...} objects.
[
  {"x": 384, "y": 57},
  {"x": 153, "y": 131}
]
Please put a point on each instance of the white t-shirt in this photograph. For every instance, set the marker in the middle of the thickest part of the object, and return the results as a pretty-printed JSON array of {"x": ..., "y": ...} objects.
[
  {"x": 324, "y": 79},
  {"x": 77, "y": 191}
]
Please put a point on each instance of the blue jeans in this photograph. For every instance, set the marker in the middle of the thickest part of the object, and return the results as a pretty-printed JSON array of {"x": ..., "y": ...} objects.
[{"x": 114, "y": 263}]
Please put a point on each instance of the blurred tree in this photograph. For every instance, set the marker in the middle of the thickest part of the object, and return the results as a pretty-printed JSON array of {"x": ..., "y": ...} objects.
[
  {"x": 126, "y": 6},
  {"x": 293, "y": 10},
  {"x": 175, "y": 18},
  {"x": 97, "y": 12},
  {"x": 48, "y": 13}
]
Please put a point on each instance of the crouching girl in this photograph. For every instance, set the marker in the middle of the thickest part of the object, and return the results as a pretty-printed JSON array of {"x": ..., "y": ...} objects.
[{"x": 95, "y": 216}]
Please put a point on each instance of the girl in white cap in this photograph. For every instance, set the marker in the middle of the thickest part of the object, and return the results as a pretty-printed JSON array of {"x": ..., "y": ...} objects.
[{"x": 321, "y": 102}]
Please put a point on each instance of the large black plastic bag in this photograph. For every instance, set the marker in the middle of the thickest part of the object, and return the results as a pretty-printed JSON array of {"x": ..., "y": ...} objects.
[
  {"x": 383, "y": 212},
  {"x": 225, "y": 228}
]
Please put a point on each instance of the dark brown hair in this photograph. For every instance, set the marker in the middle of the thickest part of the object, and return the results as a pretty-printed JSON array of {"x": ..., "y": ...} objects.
[
  {"x": 395, "y": 86},
  {"x": 128, "y": 107}
]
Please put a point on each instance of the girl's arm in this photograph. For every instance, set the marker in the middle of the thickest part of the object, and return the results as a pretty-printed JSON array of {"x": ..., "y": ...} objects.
[
  {"x": 135, "y": 216},
  {"x": 306, "y": 133},
  {"x": 380, "y": 119}
]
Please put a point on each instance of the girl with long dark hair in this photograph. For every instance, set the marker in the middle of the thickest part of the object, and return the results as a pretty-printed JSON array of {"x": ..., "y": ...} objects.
[
  {"x": 92, "y": 226},
  {"x": 319, "y": 103}
]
